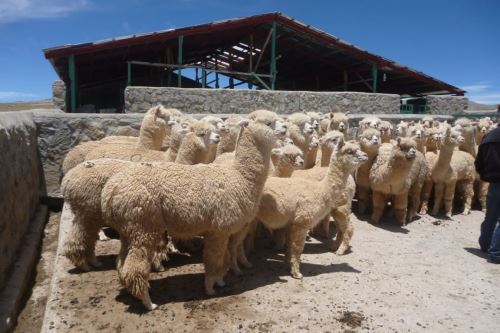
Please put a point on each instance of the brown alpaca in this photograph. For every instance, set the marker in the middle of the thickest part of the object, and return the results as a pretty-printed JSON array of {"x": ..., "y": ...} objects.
[
  {"x": 206, "y": 199},
  {"x": 389, "y": 177},
  {"x": 299, "y": 203},
  {"x": 452, "y": 166},
  {"x": 369, "y": 141}
]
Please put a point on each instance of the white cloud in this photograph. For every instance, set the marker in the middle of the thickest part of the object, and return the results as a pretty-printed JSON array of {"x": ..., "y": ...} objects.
[
  {"x": 15, "y": 95},
  {"x": 475, "y": 88},
  {"x": 15, "y": 10},
  {"x": 490, "y": 98}
]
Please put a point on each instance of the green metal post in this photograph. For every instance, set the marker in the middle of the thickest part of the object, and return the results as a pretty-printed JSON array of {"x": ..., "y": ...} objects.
[
  {"x": 273, "y": 57},
  {"x": 129, "y": 74},
  {"x": 179, "y": 61},
  {"x": 203, "y": 77},
  {"x": 231, "y": 83},
  {"x": 72, "y": 78},
  {"x": 374, "y": 77}
]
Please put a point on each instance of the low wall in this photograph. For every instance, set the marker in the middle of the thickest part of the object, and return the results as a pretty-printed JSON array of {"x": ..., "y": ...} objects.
[
  {"x": 194, "y": 100},
  {"x": 446, "y": 105},
  {"x": 21, "y": 183}
]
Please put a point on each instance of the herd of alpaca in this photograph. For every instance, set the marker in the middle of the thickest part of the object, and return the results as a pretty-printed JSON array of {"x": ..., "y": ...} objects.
[{"x": 224, "y": 180}]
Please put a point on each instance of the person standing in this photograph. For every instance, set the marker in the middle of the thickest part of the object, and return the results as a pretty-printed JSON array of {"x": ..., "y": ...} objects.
[{"x": 488, "y": 166}]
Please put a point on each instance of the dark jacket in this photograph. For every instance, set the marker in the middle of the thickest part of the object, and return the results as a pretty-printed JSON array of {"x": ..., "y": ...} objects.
[{"x": 488, "y": 157}]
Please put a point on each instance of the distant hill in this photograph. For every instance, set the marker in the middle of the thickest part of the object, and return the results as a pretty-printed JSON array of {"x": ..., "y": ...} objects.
[
  {"x": 20, "y": 106},
  {"x": 473, "y": 106}
]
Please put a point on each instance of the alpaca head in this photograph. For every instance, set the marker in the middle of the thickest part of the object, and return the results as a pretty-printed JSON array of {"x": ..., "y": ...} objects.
[
  {"x": 269, "y": 119},
  {"x": 452, "y": 138},
  {"x": 207, "y": 133},
  {"x": 331, "y": 139},
  {"x": 484, "y": 125},
  {"x": 314, "y": 144},
  {"x": 428, "y": 122},
  {"x": 371, "y": 121},
  {"x": 418, "y": 133},
  {"x": 402, "y": 128},
  {"x": 303, "y": 122},
  {"x": 370, "y": 140},
  {"x": 287, "y": 156},
  {"x": 350, "y": 155},
  {"x": 219, "y": 124},
  {"x": 385, "y": 128},
  {"x": 264, "y": 135},
  {"x": 315, "y": 117},
  {"x": 406, "y": 149},
  {"x": 434, "y": 135}
]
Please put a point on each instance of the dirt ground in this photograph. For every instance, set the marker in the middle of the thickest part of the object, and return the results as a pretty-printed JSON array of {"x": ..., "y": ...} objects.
[
  {"x": 428, "y": 276},
  {"x": 31, "y": 318},
  {"x": 19, "y": 106}
]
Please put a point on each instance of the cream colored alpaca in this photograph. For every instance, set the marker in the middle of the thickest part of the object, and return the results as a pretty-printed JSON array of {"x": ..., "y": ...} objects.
[
  {"x": 483, "y": 127},
  {"x": 389, "y": 177},
  {"x": 419, "y": 133},
  {"x": 369, "y": 122},
  {"x": 300, "y": 130},
  {"x": 222, "y": 129},
  {"x": 385, "y": 129},
  {"x": 312, "y": 152},
  {"x": 155, "y": 126},
  {"x": 299, "y": 203},
  {"x": 467, "y": 129},
  {"x": 339, "y": 122},
  {"x": 210, "y": 200},
  {"x": 227, "y": 143},
  {"x": 285, "y": 160},
  {"x": 452, "y": 166},
  {"x": 178, "y": 133},
  {"x": 403, "y": 128},
  {"x": 369, "y": 141},
  {"x": 327, "y": 142},
  {"x": 315, "y": 119}
]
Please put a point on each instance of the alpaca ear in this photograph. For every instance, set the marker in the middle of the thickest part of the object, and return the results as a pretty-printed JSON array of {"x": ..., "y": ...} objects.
[
  {"x": 399, "y": 140},
  {"x": 448, "y": 131},
  {"x": 331, "y": 115},
  {"x": 158, "y": 110},
  {"x": 277, "y": 151},
  {"x": 244, "y": 122}
]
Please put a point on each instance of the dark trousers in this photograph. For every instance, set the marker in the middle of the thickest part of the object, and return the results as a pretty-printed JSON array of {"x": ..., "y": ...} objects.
[{"x": 491, "y": 218}]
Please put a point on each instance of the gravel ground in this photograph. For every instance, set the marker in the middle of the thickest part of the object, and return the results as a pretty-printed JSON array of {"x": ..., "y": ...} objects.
[{"x": 428, "y": 276}]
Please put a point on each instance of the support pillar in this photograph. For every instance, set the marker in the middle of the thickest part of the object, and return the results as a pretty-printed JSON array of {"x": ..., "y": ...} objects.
[
  {"x": 129, "y": 74},
  {"x": 179, "y": 60},
  {"x": 273, "y": 57},
  {"x": 374, "y": 78},
  {"x": 73, "y": 85}
]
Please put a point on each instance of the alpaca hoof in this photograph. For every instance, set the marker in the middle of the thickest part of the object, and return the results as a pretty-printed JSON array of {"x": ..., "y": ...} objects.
[
  {"x": 102, "y": 236},
  {"x": 448, "y": 216},
  {"x": 151, "y": 306},
  {"x": 96, "y": 263},
  {"x": 342, "y": 250},
  {"x": 210, "y": 291},
  {"x": 423, "y": 212},
  {"x": 297, "y": 276},
  {"x": 483, "y": 210},
  {"x": 221, "y": 283},
  {"x": 159, "y": 268},
  {"x": 466, "y": 211},
  {"x": 84, "y": 268}
]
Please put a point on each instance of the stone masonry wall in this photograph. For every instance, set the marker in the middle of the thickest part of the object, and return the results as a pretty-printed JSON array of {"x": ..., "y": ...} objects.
[
  {"x": 20, "y": 183},
  {"x": 59, "y": 95},
  {"x": 446, "y": 104},
  {"x": 195, "y": 100}
]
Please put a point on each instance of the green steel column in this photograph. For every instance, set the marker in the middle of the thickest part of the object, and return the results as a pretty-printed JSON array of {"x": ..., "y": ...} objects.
[
  {"x": 231, "y": 83},
  {"x": 129, "y": 74},
  {"x": 179, "y": 61},
  {"x": 72, "y": 78},
  {"x": 273, "y": 57},
  {"x": 374, "y": 77},
  {"x": 203, "y": 77}
]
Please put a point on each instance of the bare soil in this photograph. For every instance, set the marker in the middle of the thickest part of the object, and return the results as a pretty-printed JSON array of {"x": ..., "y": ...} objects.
[
  {"x": 20, "y": 106},
  {"x": 428, "y": 276}
]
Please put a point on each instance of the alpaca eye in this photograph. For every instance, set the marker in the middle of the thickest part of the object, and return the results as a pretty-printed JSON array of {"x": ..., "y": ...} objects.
[
  {"x": 348, "y": 151},
  {"x": 269, "y": 123}
]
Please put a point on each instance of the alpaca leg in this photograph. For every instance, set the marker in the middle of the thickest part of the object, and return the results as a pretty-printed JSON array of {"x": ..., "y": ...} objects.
[
  {"x": 426, "y": 193},
  {"x": 415, "y": 193},
  {"x": 379, "y": 203},
  {"x": 322, "y": 229},
  {"x": 363, "y": 199},
  {"x": 401, "y": 207},
  {"x": 122, "y": 255},
  {"x": 242, "y": 257},
  {"x": 344, "y": 229},
  {"x": 449, "y": 194},
  {"x": 483, "y": 193},
  {"x": 296, "y": 239},
  {"x": 438, "y": 197},
  {"x": 79, "y": 246},
  {"x": 159, "y": 256},
  {"x": 235, "y": 241},
  {"x": 215, "y": 258},
  {"x": 468, "y": 195},
  {"x": 250, "y": 239}
]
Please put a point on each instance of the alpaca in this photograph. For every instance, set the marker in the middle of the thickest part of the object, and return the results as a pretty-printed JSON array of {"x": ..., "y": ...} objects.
[
  {"x": 483, "y": 127},
  {"x": 300, "y": 130},
  {"x": 369, "y": 141},
  {"x": 385, "y": 128},
  {"x": 403, "y": 128},
  {"x": 389, "y": 176},
  {"x": 222, "y": 130},
  {"x": 467, "y": 129},
  {"x": 312, "y": 152},
  {"x": 327, "y": 142},
  {"x": 285, "y": 160},
  {"x": 452, "y": 166},
  {"x": 178, "y": 133},
  {"x": 369, "y": 121},
  {"x": 418, "y": 133},
  {"x": 228, "y": 142},
  {"x": 428, "y": 122},
  {"x": 339, "y": 122},
  {"x": 315, "y": 119},
  {"x": 155, "y": 126},
  {"x": 300, "y": 204},
  {"x": 434, "y": 135},
  {"x": 215, "y": 201},
  {"x": 82, "y": 188}
]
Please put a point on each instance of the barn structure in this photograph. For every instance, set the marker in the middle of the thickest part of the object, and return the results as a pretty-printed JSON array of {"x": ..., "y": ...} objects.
[{"x": 270, "y": 51}]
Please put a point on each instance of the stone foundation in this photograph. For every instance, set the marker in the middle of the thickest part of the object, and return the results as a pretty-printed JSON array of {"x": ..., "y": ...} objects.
[
  {"x": 446, "y": 105},
  {"x": 59, "y": 95}
]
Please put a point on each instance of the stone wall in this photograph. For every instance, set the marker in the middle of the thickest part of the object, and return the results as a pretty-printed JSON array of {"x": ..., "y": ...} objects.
[
  {"x": 446, "y": 104},
  {"x": 21, "y": 184},
  {"x": 59, "y": 95},
  {"x": 195, "y": 100},
  {"x": 59, "y": 132}
]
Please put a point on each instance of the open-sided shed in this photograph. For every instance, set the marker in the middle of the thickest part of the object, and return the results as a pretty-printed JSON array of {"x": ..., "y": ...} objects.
[{"x": 269, "y": 51}]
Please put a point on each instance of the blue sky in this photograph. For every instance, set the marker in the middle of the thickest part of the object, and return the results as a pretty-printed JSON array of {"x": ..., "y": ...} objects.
[{"x": 457, "y": 41}]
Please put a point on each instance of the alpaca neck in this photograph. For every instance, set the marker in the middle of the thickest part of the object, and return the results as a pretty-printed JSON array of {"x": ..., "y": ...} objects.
[
  {"x": 444, "y": 158},
  {"x": 282, "y": 171},
  {"x": 326, "y": 155},
  {"x": 251, "y": 160},
  {"x": 191, "y": 151},
  {"x": 151, "y": 138},
  {"x": 310, "y": 158},
  {"x": 421, "y": 145},
  {"x": 337, "y": 176},
  {"x": 469, "y": 145}
]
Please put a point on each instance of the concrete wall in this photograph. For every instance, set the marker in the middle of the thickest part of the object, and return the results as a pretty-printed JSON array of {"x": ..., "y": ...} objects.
[
  {"x": 20, "y": 183},
  {"x": 140, "y": 99},
  {"x": 59, "y": 94},
  {"x": 446, "y": 105}
]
